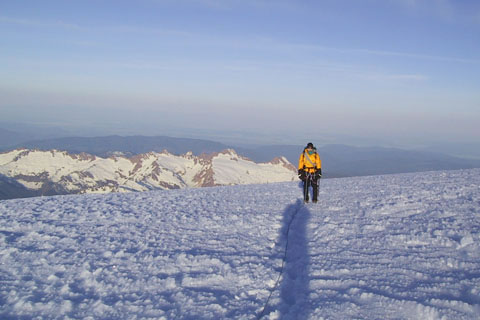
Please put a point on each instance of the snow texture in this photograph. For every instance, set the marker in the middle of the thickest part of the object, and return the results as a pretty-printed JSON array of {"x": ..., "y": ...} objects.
[{"x": 381, "y": 247}]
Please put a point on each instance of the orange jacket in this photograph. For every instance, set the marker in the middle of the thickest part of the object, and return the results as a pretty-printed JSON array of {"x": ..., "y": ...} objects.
[{"x": 309, "y": 163}]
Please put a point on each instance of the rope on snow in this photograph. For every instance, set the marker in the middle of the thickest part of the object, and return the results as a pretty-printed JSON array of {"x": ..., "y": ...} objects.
[{"x": 283, "y": 264}]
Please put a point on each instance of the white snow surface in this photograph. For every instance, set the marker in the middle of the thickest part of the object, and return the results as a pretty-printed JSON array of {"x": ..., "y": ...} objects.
[{"x": 381, "y": 247}]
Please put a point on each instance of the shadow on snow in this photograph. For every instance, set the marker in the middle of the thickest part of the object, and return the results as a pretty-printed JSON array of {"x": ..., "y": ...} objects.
[{"x": 293, "y": 288}]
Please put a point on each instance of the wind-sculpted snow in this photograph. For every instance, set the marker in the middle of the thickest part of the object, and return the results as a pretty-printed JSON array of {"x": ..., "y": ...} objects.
[{"x": 381, "y": 247}]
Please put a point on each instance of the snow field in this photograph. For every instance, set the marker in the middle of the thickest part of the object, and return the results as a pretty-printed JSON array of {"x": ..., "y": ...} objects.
[
  {"x": 396, "y": 250},
  {"x": 381, "y": 247},
  {"x": 203, "y": 253}
]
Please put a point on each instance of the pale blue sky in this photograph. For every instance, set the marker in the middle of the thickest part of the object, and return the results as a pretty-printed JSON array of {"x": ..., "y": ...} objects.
[{"x": 386, "y": 71}]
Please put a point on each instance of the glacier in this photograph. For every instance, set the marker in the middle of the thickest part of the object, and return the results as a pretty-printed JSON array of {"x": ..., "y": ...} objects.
[{"x": 404, "y": 246}]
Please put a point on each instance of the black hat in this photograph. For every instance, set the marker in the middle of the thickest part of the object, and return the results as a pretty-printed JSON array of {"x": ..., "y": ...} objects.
[{"x": 310, "y": 145}]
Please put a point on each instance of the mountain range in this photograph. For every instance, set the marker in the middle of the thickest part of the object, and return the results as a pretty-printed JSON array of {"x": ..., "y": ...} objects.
[{"x": 25, "y": 172}]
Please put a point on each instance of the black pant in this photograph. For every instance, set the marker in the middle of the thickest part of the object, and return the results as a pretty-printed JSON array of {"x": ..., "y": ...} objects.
[{"x": 306, "y": 185}]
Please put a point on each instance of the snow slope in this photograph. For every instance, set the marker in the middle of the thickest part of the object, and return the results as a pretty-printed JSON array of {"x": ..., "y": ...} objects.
[{"x": 382, "y": 247}]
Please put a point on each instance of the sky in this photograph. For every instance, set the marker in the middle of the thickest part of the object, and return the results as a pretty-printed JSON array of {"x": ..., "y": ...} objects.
[{"x": 392, "y": 72}]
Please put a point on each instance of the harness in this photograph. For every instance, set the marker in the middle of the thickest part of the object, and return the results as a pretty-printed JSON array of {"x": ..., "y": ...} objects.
[{"x": 306, "y": 156}]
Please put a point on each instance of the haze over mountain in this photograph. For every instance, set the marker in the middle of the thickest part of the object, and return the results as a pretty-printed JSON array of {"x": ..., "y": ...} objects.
[
  {"x": 96, "y": 140},
  {"x": 130, "y": 145}
]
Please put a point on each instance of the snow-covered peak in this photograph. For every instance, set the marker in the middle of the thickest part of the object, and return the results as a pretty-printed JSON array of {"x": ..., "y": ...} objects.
[{"x": 283, "y": 162}]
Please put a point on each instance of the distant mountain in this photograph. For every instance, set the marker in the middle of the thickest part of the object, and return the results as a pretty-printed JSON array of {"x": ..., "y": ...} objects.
[
  {"x": 463, "y": 150},
  {"x": 345, "y": 161},
  {"x": 9, "y": 138},
  {"x": 131, "y": 145},
  {"x": 265, "y": 153},
  {"x": 34, "y": 172},
  {"x": 13, "y": 134}
]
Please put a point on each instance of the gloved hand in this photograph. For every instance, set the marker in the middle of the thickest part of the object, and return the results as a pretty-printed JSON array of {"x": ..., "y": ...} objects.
[
  {"x": 318, "y": 174},
  {"x": 301, "y": 174}
]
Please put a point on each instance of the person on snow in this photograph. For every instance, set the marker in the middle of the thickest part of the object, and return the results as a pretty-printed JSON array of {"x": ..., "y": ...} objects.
[{"x": 310, "y": 171}]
